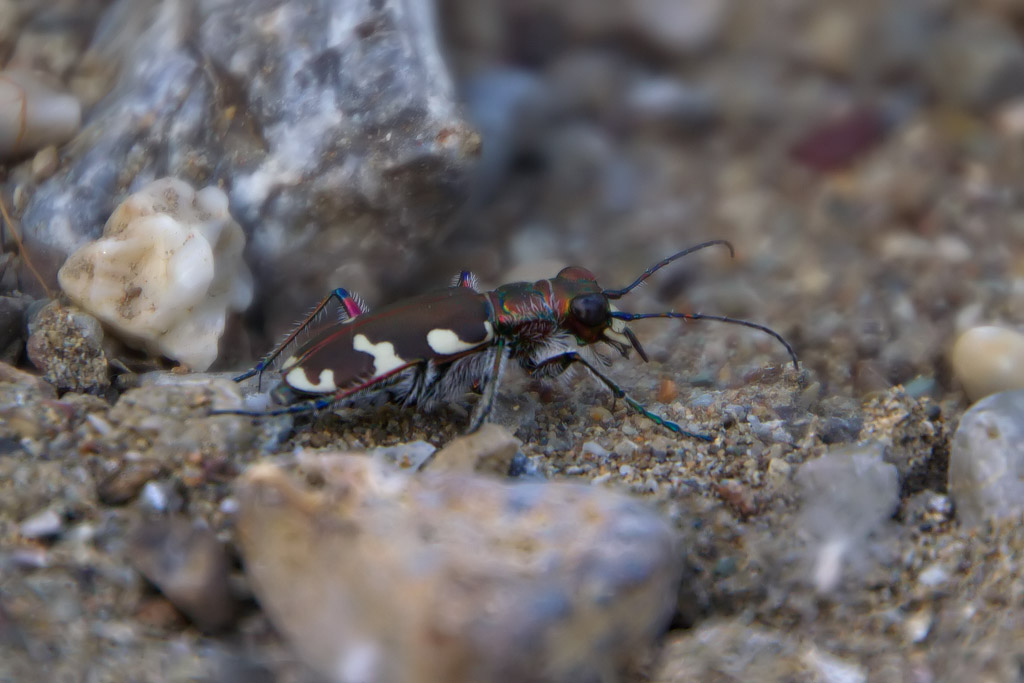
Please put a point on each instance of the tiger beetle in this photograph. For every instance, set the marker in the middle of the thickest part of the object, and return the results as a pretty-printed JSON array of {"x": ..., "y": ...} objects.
[{"x": 436, "y": 346}]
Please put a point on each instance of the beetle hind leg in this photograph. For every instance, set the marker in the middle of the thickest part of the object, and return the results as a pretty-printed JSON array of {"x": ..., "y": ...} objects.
[{"x": 351, "y": 307}]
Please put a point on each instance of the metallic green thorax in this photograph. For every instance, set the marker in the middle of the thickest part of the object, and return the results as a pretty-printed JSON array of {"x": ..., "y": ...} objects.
[{"x": 533, "y": 311}]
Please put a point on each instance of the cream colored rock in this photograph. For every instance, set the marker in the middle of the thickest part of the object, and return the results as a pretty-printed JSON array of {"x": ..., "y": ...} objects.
[
  {"x": 33, "y": 115},
  {"x": 166, "y": 272},
  {"x": 989, "y": 359}
]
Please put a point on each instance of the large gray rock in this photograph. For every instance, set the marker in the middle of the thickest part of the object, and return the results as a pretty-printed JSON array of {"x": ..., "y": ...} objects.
[
  {"x": 381, "y": 576},
  {"x": 331, "y": 125}
]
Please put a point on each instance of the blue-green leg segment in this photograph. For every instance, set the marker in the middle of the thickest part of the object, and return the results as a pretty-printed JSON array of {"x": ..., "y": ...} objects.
[{"x": 556, "y": 365}]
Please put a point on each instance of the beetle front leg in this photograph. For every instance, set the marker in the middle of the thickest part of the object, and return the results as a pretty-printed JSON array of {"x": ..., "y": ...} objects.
[
  {"x": 486, "y": 404},
  {"x": 350, "y": 304},
  {"x": 556, "y": 365}
]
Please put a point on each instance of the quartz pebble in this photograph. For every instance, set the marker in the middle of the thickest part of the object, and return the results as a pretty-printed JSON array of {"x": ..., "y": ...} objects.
[
  {"x": 847, "y": 495},
  {"x": 166, "y": 273},
  {"x": 381, "y": 575},
  {"x": 989, "y": 359},
  {"x": 986, "y": 462}
]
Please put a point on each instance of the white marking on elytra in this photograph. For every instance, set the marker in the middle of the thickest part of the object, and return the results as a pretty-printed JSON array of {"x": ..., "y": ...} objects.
[
  {"x": 384, "y": 358},
  {"x": 290, "y": 362},
  {"x": 447, "y": 342},
  {"x": 298, "y": 379}
]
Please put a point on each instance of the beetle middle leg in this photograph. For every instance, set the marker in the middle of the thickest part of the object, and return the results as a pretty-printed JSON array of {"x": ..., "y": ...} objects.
[
  {"x": 350, "y": 304},
  {"x": 556, "y": 365},
  {"x": 486, "y": 404}
]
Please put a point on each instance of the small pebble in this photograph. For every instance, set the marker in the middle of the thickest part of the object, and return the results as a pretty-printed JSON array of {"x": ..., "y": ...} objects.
[
  {"x": 189, "y": 566},
  {"x": 986, "y": 462},
  {"x": 490, "y": 449},
  {"x": 989, "y": 359},
  {"x": 45, "y": 524},
  {"x": 44, "y": 163},
  {"x": 667, "y": 391},
  {"x": 828, "y": 668},
  {"x": 124, "y": 484},
  {"x": 406, "y": 456},
  {"x": 917, "y": 626},
  {"x": 779, "y": 472},
  {"x": 625, "y": 448},
  {"x": 32, "y": 557},
  {"x": 600, "y": 414},
  {"x": 979, "y": 63},
  {"x": 595, "y": 449},
  {"x": 736, "y": 412},
  {"x": 933, "y": 576},
  {"x": 158, "y": 496},
  {"x": 67, "y": 345}
]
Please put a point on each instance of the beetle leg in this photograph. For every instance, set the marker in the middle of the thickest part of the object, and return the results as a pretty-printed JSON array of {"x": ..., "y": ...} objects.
[
  {"x": 466, "y": 279},
  {"x": 558, "y": 364},
  {"x": 313, "y": 405},
  {"x": 350, "y": 304},
  {"x": 486, "y": 404}
]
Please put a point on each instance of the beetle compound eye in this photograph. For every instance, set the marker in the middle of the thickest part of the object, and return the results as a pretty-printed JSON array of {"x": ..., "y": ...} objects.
[{"x": 590, "y": 310}]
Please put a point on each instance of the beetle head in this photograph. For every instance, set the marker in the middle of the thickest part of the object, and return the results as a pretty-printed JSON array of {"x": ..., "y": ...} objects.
[{"x": 590, "y": 313}]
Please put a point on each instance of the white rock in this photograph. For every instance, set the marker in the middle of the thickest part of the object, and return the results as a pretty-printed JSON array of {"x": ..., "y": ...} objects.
[
  {"x": 989, "y": 359},
  {"x": 166, "y": 271},
  {"x": 34, "y": 115}
]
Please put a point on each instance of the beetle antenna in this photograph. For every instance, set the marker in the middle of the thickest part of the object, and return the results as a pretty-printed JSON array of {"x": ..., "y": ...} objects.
[
  {"x": 623, "y": 315},
  {"x": 618, "y": 293}
]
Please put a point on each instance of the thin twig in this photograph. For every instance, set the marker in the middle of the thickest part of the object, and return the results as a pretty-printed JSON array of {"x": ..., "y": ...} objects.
[{"x": 21, "y": 246}]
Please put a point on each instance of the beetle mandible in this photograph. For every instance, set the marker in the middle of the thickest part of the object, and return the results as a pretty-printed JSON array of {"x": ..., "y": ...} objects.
[{"x": 436, "y": 346}]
